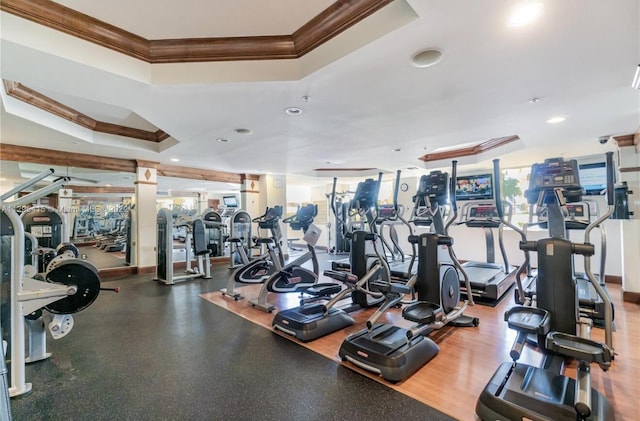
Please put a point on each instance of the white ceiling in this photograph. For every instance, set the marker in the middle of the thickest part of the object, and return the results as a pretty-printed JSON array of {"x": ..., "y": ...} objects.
[{"x": 579, "y": 58}]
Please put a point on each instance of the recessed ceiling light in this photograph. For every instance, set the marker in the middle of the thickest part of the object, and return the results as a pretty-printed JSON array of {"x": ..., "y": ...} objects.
[
  {"x": 554, "y": 120},
  {"x": 525, "y": 13},
  {"x": 293, "y": 111},
  {"x": 244, "y": 131},
  {"x": 534, "y": 100},
  {"x": 108, "y": 185},
  {"x": 426, "y": 58},
  {"x": 222, "y": 140},
  {"x": 3, "y": 179},
  {"x": 175, "y": 159},
  {"x": 396, "y": 150}
]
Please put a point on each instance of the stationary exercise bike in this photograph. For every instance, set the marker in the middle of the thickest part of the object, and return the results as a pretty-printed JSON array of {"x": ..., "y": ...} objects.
[
  {"x": 258, "y": 269},
  {"x": 293, "y": 277},
  {"x": 520, "y": 391}
]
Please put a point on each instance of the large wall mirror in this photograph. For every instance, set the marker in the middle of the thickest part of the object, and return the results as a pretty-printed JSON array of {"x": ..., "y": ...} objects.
[{"x": 97, "y": 211}]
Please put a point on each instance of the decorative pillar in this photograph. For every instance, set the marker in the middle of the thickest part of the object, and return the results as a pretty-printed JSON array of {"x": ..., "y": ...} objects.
[
  {"x": 144, "y": 241},
  {"x": 65, "y": 207},
  {"x": 203, "y": 202},
  {"x": 250, "y": 195},
  {"x": 273, "y": 192}
]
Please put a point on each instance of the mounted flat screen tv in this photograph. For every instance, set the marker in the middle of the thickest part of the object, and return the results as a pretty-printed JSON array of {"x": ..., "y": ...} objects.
[
  {"x": 593, "y": 177},
  {"x": 230, "y": 201},
  {"x": 474, "y": 187}
]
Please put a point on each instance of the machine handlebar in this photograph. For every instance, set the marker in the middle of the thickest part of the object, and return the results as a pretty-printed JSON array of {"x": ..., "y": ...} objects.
[
  {"x": 498, "y": 189},
  {"x": 610, "y": 178},
  {"x": 452, "y": 185}
]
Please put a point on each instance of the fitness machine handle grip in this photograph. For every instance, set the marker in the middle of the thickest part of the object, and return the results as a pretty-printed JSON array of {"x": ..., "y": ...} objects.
[
  {"x": 445, "y": 241},
  {"x": 395, "y": 191},
  {"x": 414, "y": 239},
  {"x": 528, "y": 245},
  {"x": 518, "y": 345},
  {"x": 497, "y": 187},
  {"x": 583, "y": 249},
  {"x": 610, "y": 178},
  {"x": 341, "y": 276},
  {"x": 452, "y": 185}
]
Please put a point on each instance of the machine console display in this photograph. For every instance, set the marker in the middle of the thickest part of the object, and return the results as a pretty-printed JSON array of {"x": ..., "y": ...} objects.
[
  {"x": 386, "y": 213},
  {"x": 554, "y": 173},
  {"x": 483, "y": 212},
  {"x": 366, "y": 195},
  {"x": 433, "y": 186}
]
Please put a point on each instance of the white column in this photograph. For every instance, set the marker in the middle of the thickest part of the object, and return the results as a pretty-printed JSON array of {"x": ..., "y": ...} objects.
[
  {"x": 145, "y": 230},
  {"x": 273, "y": 192},
  {"x": 629, "y": 160},
  {"x": 250, "y": 196},
  {"x": 65, "y": 207}
]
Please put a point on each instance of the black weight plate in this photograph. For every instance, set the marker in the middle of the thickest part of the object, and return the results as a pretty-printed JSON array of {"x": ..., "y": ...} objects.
[
  {"x": 62, "y": 247},
  {"x": 81, "y": 274},
  {"x": 450, "y": 284}
]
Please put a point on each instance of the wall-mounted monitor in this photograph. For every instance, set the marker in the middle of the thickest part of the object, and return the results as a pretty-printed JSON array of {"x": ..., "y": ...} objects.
[
  {"x": 593, "y": 177},
  {"x": 230, "y": 201},
  {"x": 474, "y": 187}
]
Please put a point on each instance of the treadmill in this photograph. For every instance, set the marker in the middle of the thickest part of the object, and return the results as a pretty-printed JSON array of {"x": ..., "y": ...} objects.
[{"x": 489, "y": 280}]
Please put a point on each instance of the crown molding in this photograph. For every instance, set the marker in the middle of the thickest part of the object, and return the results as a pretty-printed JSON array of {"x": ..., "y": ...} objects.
[
  {"x": 19, "y": 153},
  {"x": 335, "y": 19},
  {"x": 471, "y": 150},
  {"x": 627, "y": 139},
  {"x": 36, "y": 99}
]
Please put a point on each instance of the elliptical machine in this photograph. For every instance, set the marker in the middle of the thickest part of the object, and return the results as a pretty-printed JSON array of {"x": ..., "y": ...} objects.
[
  {"x": 395, "y": 352},
  {"x": 293, "y": 277},
  {"x": 520, "y": 391},
  {"x": 313, "y": 320},
  {"x": 258, "y": 269}
]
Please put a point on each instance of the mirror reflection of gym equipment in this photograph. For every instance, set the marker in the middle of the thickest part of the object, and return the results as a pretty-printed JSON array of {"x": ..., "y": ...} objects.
[{"x": 67, "y": 285}]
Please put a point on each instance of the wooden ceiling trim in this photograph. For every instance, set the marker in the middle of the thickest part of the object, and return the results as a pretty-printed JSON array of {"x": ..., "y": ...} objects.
[
  {"x": 471, "y": 150},
  {"x": 19, "y": 153},
  {"x": 626, "y": 140},
  {"x": 36, "y": 99},
  {"x": 335, "y": 19},
  {"x": 72, "y": 22},
  {"x": 101, "y": 189},
  {"x": 250, "y": 177},
  {"x": 193, "y": 50},
  {"x": 198, "y": 174},
  {"x": 125, "y": 131}
]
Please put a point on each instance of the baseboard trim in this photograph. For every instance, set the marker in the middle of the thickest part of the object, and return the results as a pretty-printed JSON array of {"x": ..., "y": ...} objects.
[
  {"x": 146, "y": 270},
  {"x": 118, "y": 272},
  {"x": 613, "y": 279},
  {"x": 631, "y": 297}
]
